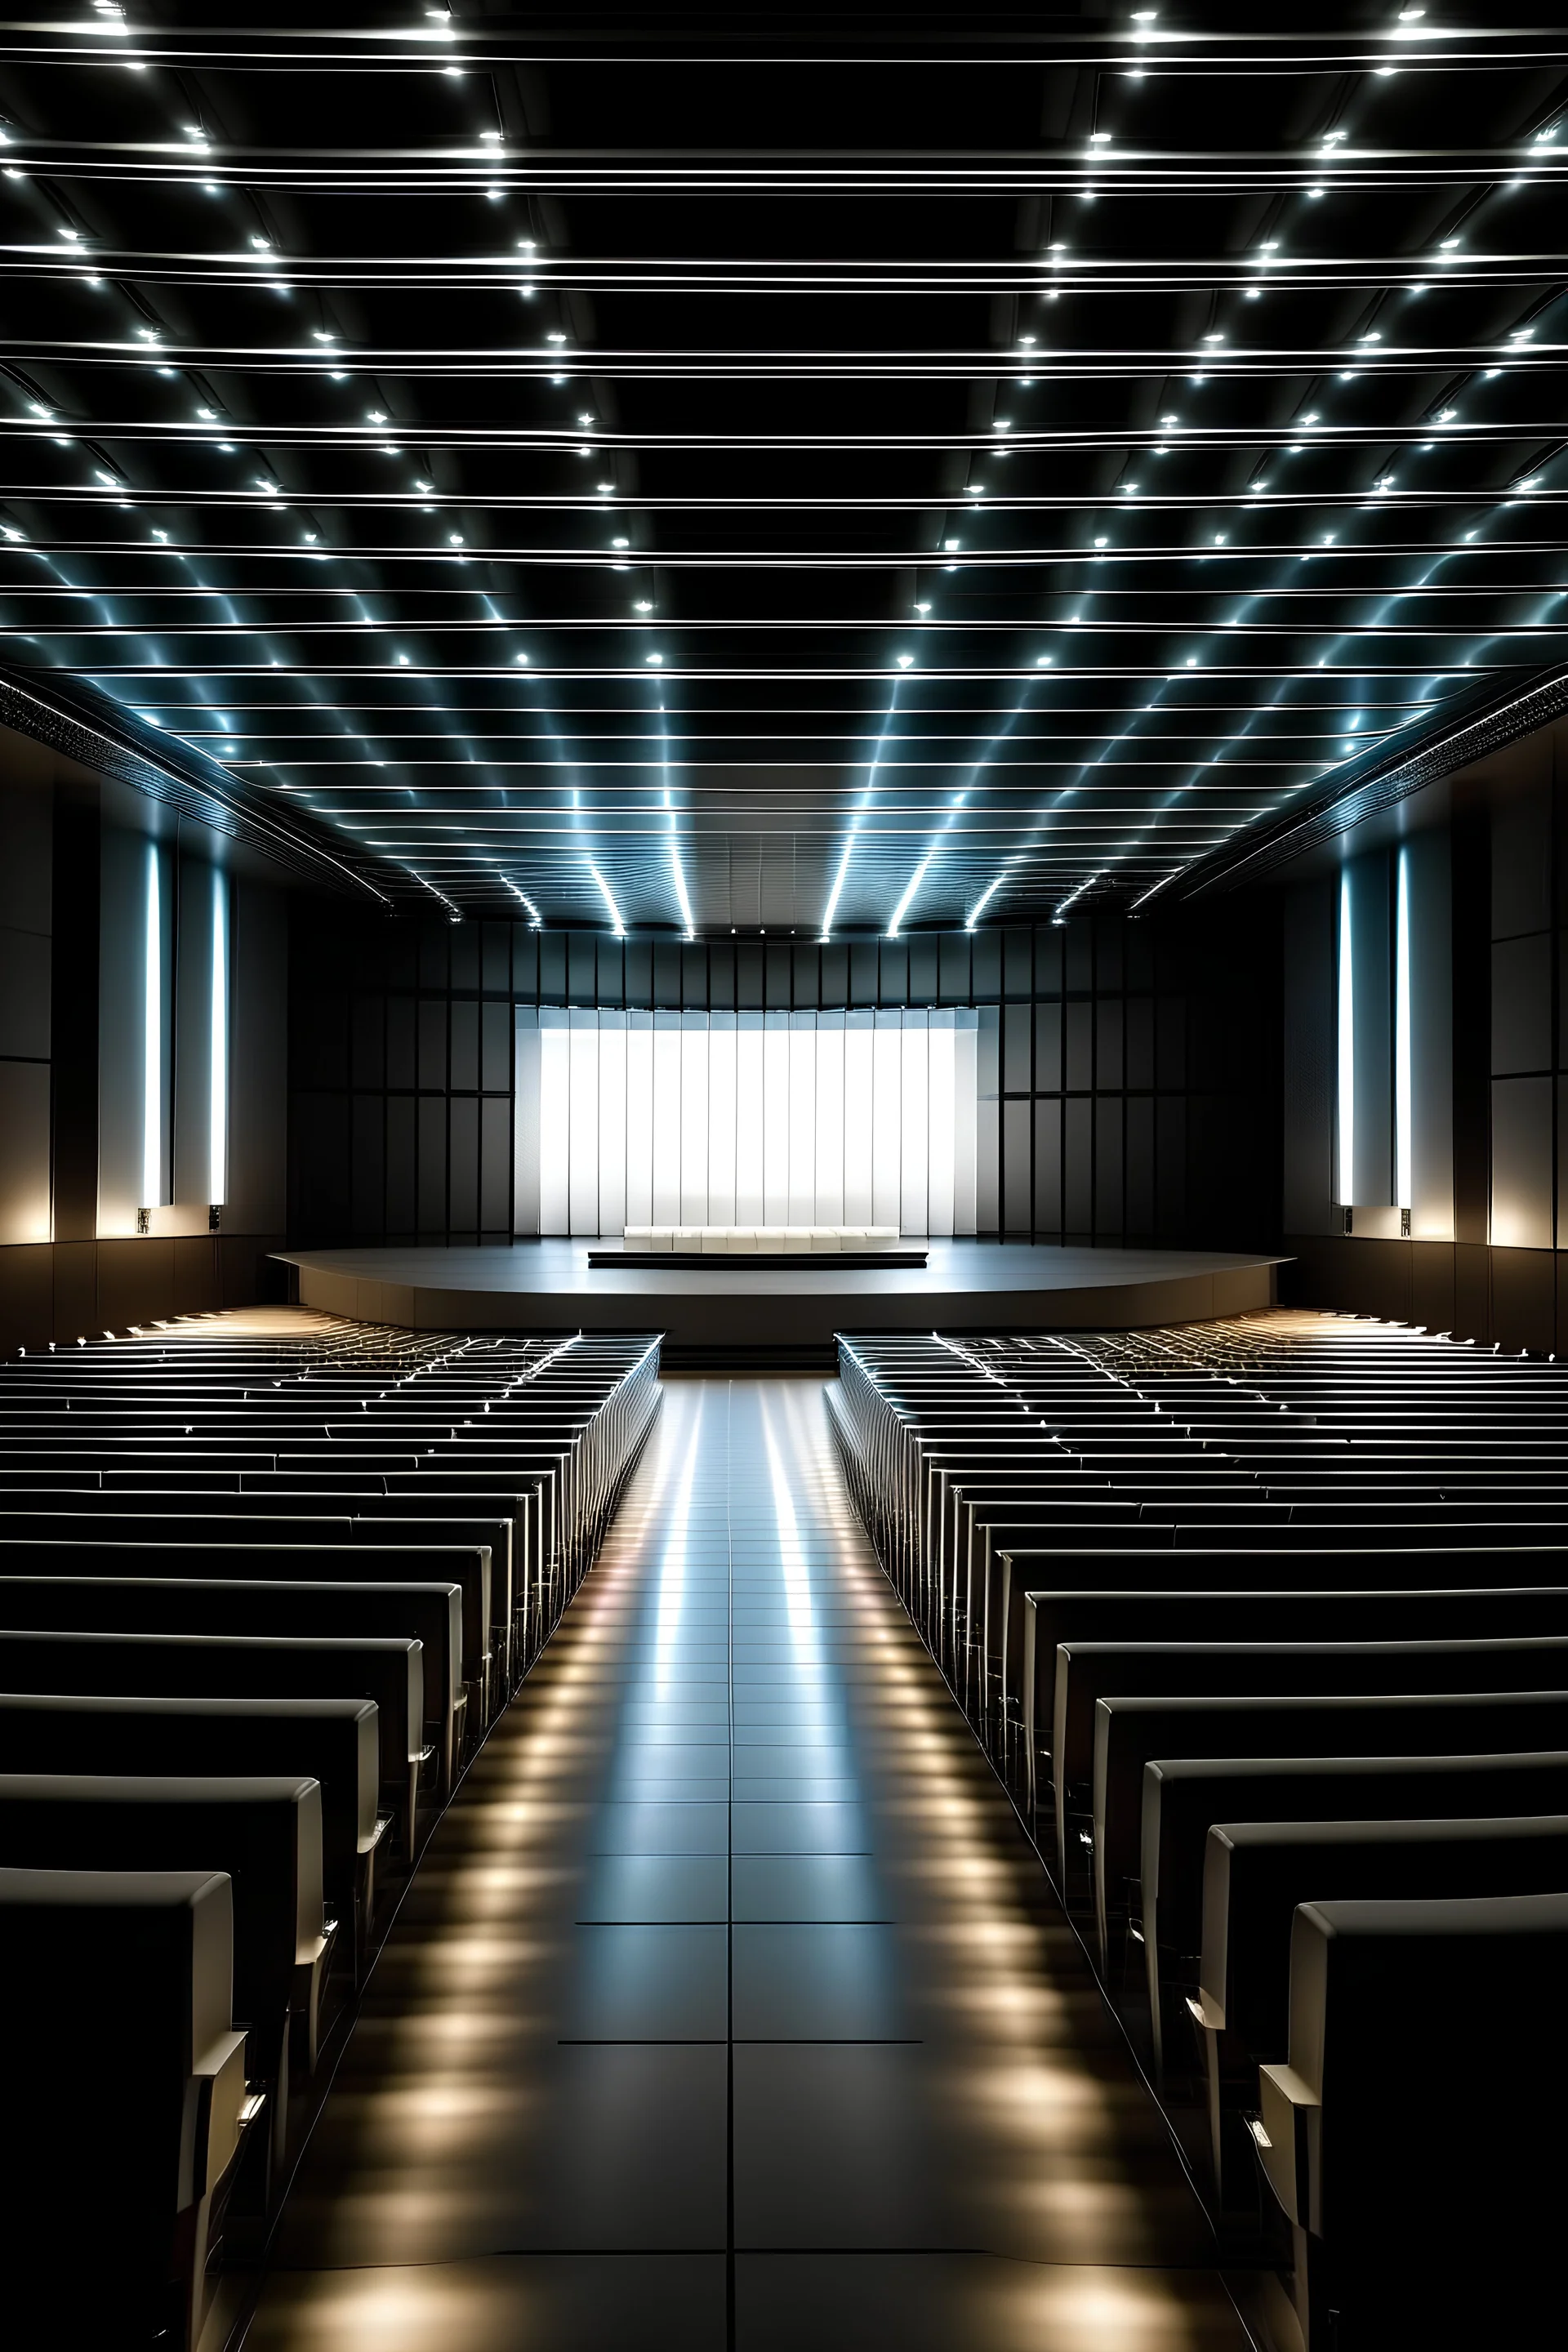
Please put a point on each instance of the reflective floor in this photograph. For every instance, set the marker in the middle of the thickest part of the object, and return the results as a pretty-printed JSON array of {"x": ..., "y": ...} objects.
[{"x": 728, "y": 2007}]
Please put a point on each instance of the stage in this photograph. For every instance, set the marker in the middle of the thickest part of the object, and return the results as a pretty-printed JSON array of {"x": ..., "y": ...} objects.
[{"x": 725, "y": 1314}]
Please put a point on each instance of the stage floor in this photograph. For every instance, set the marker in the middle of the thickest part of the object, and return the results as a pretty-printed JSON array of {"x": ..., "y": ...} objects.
[{"x": 968, "y": 1286}]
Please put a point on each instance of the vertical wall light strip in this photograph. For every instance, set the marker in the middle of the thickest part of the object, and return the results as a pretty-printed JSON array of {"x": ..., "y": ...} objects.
[
  {"x": 1404, "y": 1156},
  {"x": 217, "y": 1138},
  {"x": 153, "y": 1041},
  {"x": 1346, "y": 1188}
]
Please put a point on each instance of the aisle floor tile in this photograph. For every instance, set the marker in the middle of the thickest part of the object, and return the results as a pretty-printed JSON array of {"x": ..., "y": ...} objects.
[{"x": 734, "y": 1799}]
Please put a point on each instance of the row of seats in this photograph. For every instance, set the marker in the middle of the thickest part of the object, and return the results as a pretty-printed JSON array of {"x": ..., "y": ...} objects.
[
  {"x": 265, "y": 1584},
  {"x": 1265, "y": 1624}
]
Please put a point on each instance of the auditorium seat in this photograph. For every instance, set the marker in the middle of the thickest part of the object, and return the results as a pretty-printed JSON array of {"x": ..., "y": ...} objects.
[
  {"x": 1420, "y": 2179},
  {"x": 1274, "y": 1568},
  {"x": 334, "y": 1741},
  {"x": 218, "y": 1665},
  {"x": 1090, "y": 1672},
  {"x": 475, "y": 1552},
  {"x": 1131, "y": 1732},
  {"x": 264, "y": 1834},
  {"x": 261, "y": 1599},
  {"x": 1257, "y": 1872},
  {"x": 1184, "y": 1796},
  {"x": 427, "y": 1615},
  {"x": 1363, "y": 1614},
  {"x": 126, "y": 2102}
]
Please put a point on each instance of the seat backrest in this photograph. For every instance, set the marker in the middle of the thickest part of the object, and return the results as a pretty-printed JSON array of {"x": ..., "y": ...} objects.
[
  {"x": 1184, "y": 1796},
  {"x": 1129, "y": 1732},
  {"x": 1257, "y": 1872}
]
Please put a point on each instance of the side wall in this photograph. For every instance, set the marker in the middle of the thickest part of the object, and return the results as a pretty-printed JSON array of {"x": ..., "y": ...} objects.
[
  {"x": 1134, "y": 1096},
  {"x": 1487, "y": 1257},
  {"x": 74, "y": 856}
]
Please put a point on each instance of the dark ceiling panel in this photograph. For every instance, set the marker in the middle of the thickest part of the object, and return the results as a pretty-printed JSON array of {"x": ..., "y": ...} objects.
[{"x": 736, "y": 471}]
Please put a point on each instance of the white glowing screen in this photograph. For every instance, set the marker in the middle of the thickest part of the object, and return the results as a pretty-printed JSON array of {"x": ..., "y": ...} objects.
[{"x": 714, "y": 1118}]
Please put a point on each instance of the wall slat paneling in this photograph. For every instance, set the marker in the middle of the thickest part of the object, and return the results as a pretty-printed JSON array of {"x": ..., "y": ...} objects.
[{"x": 1083, "y": 1074}]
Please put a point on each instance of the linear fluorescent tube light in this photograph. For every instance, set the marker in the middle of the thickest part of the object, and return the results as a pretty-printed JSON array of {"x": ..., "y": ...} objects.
[
  {"x": 1346, "y": 1051},
  {"x": 217, "y": 1134},
  {"x": 680, "y": 892},
  {"x": 153, "y": 1041},
  {"x": 1404, "y": 1154},
  {"x": 1072, "y": 897},
  {"x": 604, "y": 893},
  {"x": 915, "y": 879},
  {"x": 839, "y": 881},
  {"x": 982, "y": 902}
]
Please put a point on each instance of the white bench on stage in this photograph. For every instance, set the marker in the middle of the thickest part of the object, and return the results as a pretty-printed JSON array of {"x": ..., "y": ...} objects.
[
  {"x": 740, "y": 1250},
  {"x": 771, "y": 1241}
]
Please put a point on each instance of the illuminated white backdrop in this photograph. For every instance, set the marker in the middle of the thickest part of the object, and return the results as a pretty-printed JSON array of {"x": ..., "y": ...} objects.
[{"x": 746, "y": 1118}]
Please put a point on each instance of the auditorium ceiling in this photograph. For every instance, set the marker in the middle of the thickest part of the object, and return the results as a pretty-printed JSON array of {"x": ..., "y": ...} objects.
[{"x": 820, "y": 472}]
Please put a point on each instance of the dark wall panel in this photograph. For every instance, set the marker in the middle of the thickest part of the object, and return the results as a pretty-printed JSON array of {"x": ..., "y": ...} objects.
[
  {"x": 432, "y": 1117},
  {"x": 368, "y": 1178},
  {"x": 1018, "y": 1175},
  {"x": 403, "y": 1084},
  {"x": 1521, "y": 1004},
  {"x": 464, "y": 1045},
  {"x": 464, "y": 1144},
  {"x": 1138, "y": 1145},
  {"x": 1109, "y": 1213},
  {"x": 1049, "y": 1048},
  {"x": 495, "y": 1164},
  {"x": 400, "y": 1166},
  {"x": 1077, "y": 1167},
  {"x": 1017, "y": 1025},
  {"x": 1522, "y": 1205},
  {"x": 1047, "y": 1167}
]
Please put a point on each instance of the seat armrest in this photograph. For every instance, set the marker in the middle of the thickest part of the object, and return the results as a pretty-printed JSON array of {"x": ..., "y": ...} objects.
[
  {"x": 311, "y": 1967},
  {"x": 1206, "y": 2011},
  {"x": 209, "y": 2138},
  {"x": 1292, "y": 2116}
]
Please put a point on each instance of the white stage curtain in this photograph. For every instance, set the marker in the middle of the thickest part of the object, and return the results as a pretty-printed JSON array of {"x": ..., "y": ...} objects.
[{"x": 748, "y": 1118}]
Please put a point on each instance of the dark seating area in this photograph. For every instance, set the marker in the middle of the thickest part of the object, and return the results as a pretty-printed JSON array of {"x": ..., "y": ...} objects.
[
  {"x": 1264, "y": 1625},
  {"x": 242, "y": 1675}
]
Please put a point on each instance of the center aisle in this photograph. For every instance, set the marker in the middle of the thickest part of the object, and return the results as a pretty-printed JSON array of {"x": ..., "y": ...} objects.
[{"x": 728, "y": 2006}]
